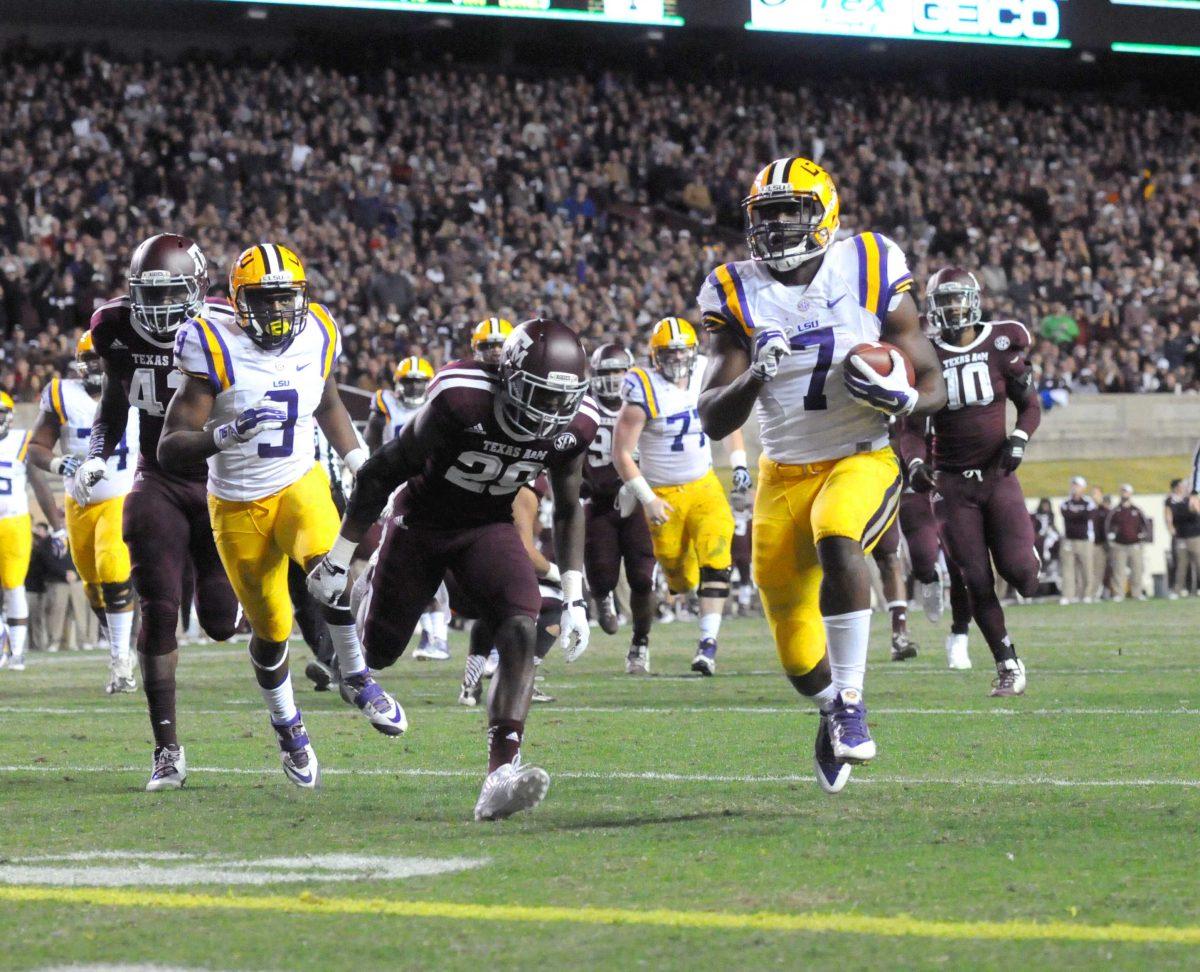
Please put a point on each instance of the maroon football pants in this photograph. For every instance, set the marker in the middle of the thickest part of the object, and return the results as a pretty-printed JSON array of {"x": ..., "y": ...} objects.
[
  {"x": 920, "y": 529},
  {"x": 612, "y": 538}
]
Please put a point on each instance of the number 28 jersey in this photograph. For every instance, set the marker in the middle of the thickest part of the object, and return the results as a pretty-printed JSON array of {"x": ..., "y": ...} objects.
[
  {"x": 673, "y": 448},
  {"x": 213, "y": 348},
  {"x": 806, "y": 414}
]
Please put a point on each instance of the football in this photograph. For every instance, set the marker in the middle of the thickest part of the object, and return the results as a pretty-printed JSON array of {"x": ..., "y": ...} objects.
[{"x": 877, "y": 354}]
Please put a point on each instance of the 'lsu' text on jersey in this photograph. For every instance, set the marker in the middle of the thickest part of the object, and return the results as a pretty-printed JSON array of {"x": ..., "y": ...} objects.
[
  {"x": 69, "y": 400},
  {"x": 673, "y": 448},
  {"x": 395, "y": 413},
  {"x": 214, "y": 349},
  {"x": 806, "y": 414}
]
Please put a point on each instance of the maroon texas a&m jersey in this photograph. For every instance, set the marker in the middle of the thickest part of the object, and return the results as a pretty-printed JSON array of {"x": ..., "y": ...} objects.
[
  {"x": 472, "y": 479},
  {"x": 599, "y": 473},
  {"x": 145, "y": 367},
  {"x": 980, "y": 379}
]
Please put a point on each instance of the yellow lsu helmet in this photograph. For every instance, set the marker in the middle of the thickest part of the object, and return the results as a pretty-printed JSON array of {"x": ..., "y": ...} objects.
[
  {"x": 269, "y": 291},
  {"x": 87, "y": 363},
  {"x": 7, "y": 406},
  {"x": 412, "y": 377},
  {"x": 673, "y": 346},
  {"x": 488, "y": 338},
  {"x": 792, "y": 213}
]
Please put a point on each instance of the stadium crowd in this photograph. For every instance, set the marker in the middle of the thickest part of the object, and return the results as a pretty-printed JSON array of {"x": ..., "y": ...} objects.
[{"x": 423, "y": 202}]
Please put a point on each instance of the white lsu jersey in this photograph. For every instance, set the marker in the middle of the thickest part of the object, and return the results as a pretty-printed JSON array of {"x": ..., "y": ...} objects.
[
  {"x": 673, "y": 448},
  {"x": 14, "y": 501},
  {"x": 213, "y": 348},
  {"x": 395, "y": 413},
  {"x": 806, "y": 414},
  {"x": 68, "y": 399}
]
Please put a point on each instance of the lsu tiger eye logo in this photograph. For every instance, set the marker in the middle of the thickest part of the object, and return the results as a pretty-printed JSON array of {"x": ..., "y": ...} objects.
[{"x": 566, "y": 441}]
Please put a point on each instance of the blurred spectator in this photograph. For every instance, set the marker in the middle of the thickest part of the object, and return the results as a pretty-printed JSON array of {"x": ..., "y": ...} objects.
[
  {"x": 64, "y": 605},
  {"x": 1127, "y": 529},
  {"x": 1047, "y": 538},
  {"x": 1183, "y": 525},
  {"x": 1077, "y": 550},
  {"x": 1102, "y": 575},
  {"x": 35, "y": 589}
]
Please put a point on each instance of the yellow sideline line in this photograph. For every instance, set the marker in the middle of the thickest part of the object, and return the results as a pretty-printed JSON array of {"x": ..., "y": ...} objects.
[{"x": 851, "y": 924}]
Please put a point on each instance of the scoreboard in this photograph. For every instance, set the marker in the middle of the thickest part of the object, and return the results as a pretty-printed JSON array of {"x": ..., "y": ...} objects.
[{"x": 661, "y": 13}]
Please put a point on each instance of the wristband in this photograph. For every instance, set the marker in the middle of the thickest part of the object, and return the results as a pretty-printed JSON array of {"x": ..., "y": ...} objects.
[
  {"x": 1021, "y": 434},
  {"x": 552, "y": 576},
  {"x": 342, "y": 552},
  {"x": 641, "y": 489},
  {"x": 354, "y": 460},
  {"x": 56, "y": 465},
  {"x": 912, "y": 463},
  {"x": 572, "y": 586},
  {"x": 737, "y": 457}
]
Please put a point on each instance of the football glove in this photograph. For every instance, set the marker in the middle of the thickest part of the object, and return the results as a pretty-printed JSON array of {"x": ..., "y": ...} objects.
[
  {"x": 920, "y": 476},
  {"x": 327, "y": 581},
  {"x": 770, "y": 347},
  {"x": 90, "y": 472},
  {"x": 1013, "y": 451},
  {"x": 741, "y": 479},
  {"x": 58, "y": 542},
  {"x": 891, "y": 393},
  {"x": 573, "y": 626},
  {"x": 261, "y": 417},
  {"x": 65, "y": 466}
]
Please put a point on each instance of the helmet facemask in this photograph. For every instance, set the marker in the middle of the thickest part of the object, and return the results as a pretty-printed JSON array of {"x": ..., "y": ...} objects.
[
  {"x": 490, "y": 351},
  {"x": 786, "y": 231},
  {"x": 541, "y": 407},
  {"x": 675, "y": 363},
  {"x": 6, "y": 420},
  {"x": 410, "y": 389},
  {"x": 606, "y": 382},
  {"x": 90, "y": 369},
  {"x": 160, "y": 302},
  {"x": 954, "y": 308},
  {"x": 272, "y": 315}
]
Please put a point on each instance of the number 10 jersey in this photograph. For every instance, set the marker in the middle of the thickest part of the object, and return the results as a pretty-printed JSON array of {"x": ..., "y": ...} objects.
[{"x": 806, "y": 414}]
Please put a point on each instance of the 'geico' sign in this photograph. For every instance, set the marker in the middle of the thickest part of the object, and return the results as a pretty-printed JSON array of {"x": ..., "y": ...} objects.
[{"x": 1034, "y": 19}]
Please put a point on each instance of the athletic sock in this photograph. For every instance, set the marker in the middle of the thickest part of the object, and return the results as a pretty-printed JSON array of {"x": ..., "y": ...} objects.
[
  {"x": 441, "y": 626},
  {"x": 899, "y": 610},
  {"x": 158, "y": 680},
  {"x": 427, "y": 624},
  {"x": 824, "y": 698},
  {"x": 710, "y": 626},
  {"x": 504, "y": 742},
  {"x": 18, "y": 631},
  {"x": 848, "y": 637},
  {"x": 348, "y": 648},
  {"x": 474, "y": 670},
  {"x": 120, "y": 628},
  {"x": 280, "y": 701}
]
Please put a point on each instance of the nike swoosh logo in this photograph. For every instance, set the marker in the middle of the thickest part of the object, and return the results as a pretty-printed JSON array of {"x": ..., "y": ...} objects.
[
  {"x": 830, "y": 303},
  {"x": 303, "y": 366}
]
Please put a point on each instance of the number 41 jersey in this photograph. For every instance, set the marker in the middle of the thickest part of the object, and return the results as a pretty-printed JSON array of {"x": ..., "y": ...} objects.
[
  {"x": 806, "y": 414},
  {"x": 214, "y": 349},
  {"x": 471, "y": 480}
]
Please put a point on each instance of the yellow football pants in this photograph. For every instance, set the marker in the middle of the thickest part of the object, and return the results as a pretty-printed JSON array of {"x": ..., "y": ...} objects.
[
  {"x": 16, "y": 544},
  {"x": 697, "y": 534},
  {"x": 257, "y": 538},
  {"x": 97, "y": 546},
  {"x": 798, "y": 506}
]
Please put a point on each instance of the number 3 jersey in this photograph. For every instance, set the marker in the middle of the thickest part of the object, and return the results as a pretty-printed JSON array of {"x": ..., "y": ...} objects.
[
  {"x": 69, "y": 400},
  {"x": 805, "y": 414},
  {"x": 673, "y": 448},
  {"x": 471, "y": 479},
  {"x": 145, "y": 367},
  {"x": 213, "y": 348}
]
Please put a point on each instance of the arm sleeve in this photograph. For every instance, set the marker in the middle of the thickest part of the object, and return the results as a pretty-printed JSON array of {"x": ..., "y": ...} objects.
[
  {"x": 898, "y": 278},
  {"x": 715, "y": 312},
  {"x": 50, "y": 400},
  {"x": 379, "y": 406},
  {"x": 193, "y": 358},
  {"x": 635, "y": 389}
]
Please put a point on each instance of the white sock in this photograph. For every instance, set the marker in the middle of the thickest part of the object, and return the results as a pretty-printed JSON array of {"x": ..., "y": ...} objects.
[
  {"x": 710, "y": 625},
  {"x": 847, "y": 636},
  {"x": 18, "y": 633},
  {"x": 822, "y": 699},
  {"x": 348, "y": 648},
  {"x": 280, "y": 701},
  {"x": 120, "y": 628},
  {"x": 441, "y": 626},
  {"x": 474, "y": 670},
  {"x": 427, "y": 624}
]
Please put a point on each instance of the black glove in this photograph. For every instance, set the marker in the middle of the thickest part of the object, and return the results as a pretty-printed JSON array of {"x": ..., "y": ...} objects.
[
  {"x": 920, "y": 476},
  {"x": 1013, "y": 452}
]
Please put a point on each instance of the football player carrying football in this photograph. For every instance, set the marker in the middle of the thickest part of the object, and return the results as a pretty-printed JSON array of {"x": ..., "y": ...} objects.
[
  {"x": 613, "y": 537},
  {"x": 483, "y": 434},
  {"x": 165, "y": 518},
  {"x": 256, "y": 378},
  {"x": 691, "y": 525},
  {"x": 68, "y": 408},
  {"x": 782, "y": 325},
  {"x": 978, "y": 500}
]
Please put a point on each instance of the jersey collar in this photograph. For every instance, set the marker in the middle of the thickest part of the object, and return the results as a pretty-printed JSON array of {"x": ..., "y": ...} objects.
[{"x": 985, "y": 329}]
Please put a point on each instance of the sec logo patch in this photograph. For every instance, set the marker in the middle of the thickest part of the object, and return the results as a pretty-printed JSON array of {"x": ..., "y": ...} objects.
[
  {"x": 1002, "y": 343},
  {"x": 566, "y": 441}
]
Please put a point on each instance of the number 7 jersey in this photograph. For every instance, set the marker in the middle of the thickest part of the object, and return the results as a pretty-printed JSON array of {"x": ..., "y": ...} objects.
[
  {"x": 212, "y": 348},
  {"x": 805, "y": 414}
]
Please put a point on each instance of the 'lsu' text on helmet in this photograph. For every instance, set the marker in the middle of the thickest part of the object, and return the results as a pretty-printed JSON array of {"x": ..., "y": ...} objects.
[
  {"x": 488, "y": 338},
  {"x": 269, "y": 291},
  {"x": 543, "y": 374},
  {"x": 792, "y": 213},
  {"x": 168, "y": 280},
  {"x": 87, "y": 363},
  {"x": 952, "y": 301},
  {"x": 411, "y": 378},
  {"x": 609, "y": 364},
  {"x": 673, "y": 347}
]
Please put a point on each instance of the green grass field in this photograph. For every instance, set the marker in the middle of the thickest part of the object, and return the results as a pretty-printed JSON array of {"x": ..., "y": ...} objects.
[{"x": 682, "y": 825}]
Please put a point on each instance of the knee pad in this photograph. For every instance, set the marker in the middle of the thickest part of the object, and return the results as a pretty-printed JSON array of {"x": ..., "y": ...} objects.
[
  {"x": 118, "y": 597},
  {"x": 714, "y": 582},
  {"x": 95, "y": 596},
  {"x": 16, "y": 604}
]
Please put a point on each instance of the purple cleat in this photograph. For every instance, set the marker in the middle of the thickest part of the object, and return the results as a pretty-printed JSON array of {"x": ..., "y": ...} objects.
[
  {"x": 382, "y": 711},
  {"x": 705, "y": 661},
  {"x": 852, "y": 742},
  {"x": 832, "y": 773},
  {"x": 296, "y": 753}
]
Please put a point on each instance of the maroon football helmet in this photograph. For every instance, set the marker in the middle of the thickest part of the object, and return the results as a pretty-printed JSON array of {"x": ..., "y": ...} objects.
[
  {"x": 952, "y": 301},
  {"x": 543, "y": 374},
  {"x": 609, "y": 364},
  {"x": 168, "y": 280}
]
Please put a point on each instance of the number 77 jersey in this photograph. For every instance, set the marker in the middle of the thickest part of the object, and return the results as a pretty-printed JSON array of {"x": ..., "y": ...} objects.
[
  {"x": 673, "y": 448},
  {"x": 212, "y": 348},
  {"x": 806, "y": 415}
]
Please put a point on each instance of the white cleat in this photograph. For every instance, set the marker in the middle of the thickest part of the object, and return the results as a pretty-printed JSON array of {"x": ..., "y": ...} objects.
[
  {"x": 433, "y": 650},
  {"x": 956, "y": 652},
  {"x": 385, "y": 714},
  {"x": 1009, "y": 680},
  {"x": 169, "y": 771},
  {"x": 120, "y": 678},
  {"x": 637, "y": 662},
  {"x": 469, "y": 695},
  {"x": 931, "y": 600},
  {"x": 296, "y": 753},
  {"x": 16, "y": 663},
  {"x": 510, "y": 789}
]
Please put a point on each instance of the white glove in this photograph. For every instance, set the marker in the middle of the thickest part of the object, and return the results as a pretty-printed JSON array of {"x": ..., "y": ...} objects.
[
  {"x": 627, "y": 500},
  {"x": 327, "y": 581},
  {"x": 260, "y": 417},
  {"x": 65, "y": 465},
  {"x": 58, "y": 542},
  {"x": 573, "y": 627},
  {"x": 770, "y": 347},
  {"x": 90, "y": 472},
  {"x": 891, "y": 394}
]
